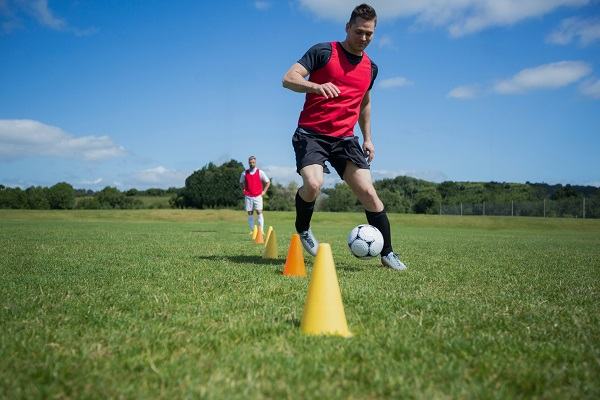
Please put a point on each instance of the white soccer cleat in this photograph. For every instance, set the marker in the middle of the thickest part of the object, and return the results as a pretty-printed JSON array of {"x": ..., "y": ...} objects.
[
  {"x": 309, "y": 242},
  {"x": 393, "y": 261}
]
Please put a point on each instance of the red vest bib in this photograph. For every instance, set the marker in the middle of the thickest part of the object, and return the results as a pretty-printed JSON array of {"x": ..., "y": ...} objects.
[
  {"x": 337, "y": 116},
  {"x": 253, "y": 185}
]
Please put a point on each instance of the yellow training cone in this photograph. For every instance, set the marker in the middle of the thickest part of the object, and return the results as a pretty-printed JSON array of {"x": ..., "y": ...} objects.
[
  {"x": 294, "y": 263},
  {"x": 268, "y": 235},
  {"x": 254, "y": 232},
  {"x": 323, "y": 311},
  {"x": 271, "y": 247},
  {"x": 259, "y": 237}
]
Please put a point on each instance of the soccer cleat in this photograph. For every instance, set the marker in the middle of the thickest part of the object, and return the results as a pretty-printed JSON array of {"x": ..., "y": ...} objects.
[
  {"x": 392, "y": 261},
  {"x": 309, "y": 242}
]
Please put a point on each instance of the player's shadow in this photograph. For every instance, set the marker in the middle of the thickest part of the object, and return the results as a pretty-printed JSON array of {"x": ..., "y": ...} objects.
[{"x": 243, "y": 259}]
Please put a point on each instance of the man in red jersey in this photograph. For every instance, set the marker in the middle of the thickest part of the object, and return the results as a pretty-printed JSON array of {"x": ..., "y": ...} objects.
[
  {"x": 340, "y": 77},
  {"x": 252, "y": 181}
]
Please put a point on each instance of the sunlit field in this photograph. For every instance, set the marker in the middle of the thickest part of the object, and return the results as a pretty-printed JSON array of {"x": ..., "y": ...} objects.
[{"x": 177, "y": 303}]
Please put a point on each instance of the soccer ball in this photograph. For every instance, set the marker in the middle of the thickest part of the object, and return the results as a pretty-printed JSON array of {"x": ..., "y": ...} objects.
[{"x": 365, "y": 241}]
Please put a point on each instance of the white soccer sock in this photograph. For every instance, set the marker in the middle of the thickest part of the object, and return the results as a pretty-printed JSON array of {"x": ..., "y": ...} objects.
[
  {"x": 261, "y": 222},
  {"x": 251, "y": 222}
]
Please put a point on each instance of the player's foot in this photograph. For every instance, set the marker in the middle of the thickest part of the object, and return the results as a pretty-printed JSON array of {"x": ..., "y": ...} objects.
[
  {"x": 309, "y": 242},
  {"x": 393, "y": 261}
]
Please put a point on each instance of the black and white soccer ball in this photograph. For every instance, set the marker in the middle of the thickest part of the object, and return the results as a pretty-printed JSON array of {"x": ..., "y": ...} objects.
[{"x": 365, "y": 241}]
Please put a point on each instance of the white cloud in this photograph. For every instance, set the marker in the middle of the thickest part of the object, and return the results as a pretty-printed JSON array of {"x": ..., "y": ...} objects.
[
  {"x": 262, "y": 5},
  {"x": 282, "y": 174},
  {"x": 585, "y": 31},
  {"x": 460, "y": 17},
  {"x": 394, "y": 82},
  {"x": 25, "y": 137},
  {"x": 13, "y": 11},
  {"x": 591, "y": 88},
  {"x": 161, "y": 176},
  {"x": 547, "y": 76},
  {"x": 464, "y": 92},
  {"x": 39, "y": 10},
  {"x": 384, "y": 41},
  {"x": 91, "y": 182}
]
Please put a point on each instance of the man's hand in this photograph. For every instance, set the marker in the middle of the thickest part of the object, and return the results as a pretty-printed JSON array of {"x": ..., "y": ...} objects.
[
  {"x": 369, "y": 150},
  {"x": 327, "y": 90}
]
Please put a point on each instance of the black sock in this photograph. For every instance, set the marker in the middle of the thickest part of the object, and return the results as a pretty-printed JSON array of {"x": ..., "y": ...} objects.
[
  {"x": 304, "y": 212},
  {"x": 380, "y": 221}
]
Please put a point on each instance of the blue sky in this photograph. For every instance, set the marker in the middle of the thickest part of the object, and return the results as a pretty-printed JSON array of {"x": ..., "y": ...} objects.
[{"x": 141, "y": 94}]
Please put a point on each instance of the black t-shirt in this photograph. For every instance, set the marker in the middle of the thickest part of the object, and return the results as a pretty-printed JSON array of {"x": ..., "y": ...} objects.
[{"x": 318, "y": 55}]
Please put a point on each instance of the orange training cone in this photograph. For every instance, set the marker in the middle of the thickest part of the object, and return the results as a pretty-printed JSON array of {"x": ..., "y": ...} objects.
[
  {"x": 294, "y": 263},
  {"x": 323, "y": 311},
  {"x": 259, "y": 237},
  {"x": 271, "y": 246},
  {"x": 268, "y": 235},
  {"x": 254, "y": 232}
]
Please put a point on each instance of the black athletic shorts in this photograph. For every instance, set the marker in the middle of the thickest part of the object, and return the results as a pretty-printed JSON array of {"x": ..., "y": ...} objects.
[{"x": 311, "y": 148}]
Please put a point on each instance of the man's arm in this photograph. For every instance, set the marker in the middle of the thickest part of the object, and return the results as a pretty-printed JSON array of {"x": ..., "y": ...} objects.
[
  {"x": 364, "y": 121},
  {"x": 295, "y": 80},
  {"x": 242, "y": 181},
  {"x": 267, "y": 184}
]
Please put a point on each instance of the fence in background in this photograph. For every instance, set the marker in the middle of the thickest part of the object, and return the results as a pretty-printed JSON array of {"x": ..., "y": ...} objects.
[{"x": 573, "y": 208}]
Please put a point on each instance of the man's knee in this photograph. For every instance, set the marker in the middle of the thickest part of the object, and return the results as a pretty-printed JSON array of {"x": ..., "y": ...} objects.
[
  {"x": 369, "y": 198},
  {"x": 313, "y": 185}
]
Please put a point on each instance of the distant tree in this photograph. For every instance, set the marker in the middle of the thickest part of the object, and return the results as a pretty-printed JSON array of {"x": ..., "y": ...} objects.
[
  {"x": 214, "y": 186},
  {"x": 427, "y": 202},
  {"x": 154, "y": 192},
  {"x": 61, "y": 196},
  {"x": 281, "y": 198},
  {"x": 12, "y": 198},
  {"x": 565, "y": 192},
  {"x": 37, "y": 198},
  {"x": 394, "y": 201},
  {"x": 340, "y": 198},
  {"x": 132, "y": 192},
  {"x": 88, "y": 203},
  {"x": 111, "y": 197}
]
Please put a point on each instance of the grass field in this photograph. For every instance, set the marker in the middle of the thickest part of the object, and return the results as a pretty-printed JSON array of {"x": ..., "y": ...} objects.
[{"x": 172, "y": 304}]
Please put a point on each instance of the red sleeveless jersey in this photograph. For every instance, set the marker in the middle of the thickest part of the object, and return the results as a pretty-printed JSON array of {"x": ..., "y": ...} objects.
[
  {"x": 337, "y": 116},
  {"x": 253, "y": 185}
]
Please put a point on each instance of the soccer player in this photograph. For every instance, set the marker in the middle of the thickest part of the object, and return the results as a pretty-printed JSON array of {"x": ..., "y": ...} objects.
[
  {"x": 252, "y": 181},
  {"x": 340, "y": 77}
]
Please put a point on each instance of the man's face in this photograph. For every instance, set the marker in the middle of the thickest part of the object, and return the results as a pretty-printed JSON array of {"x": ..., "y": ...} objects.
[
  {"x": 360, "y": 34},
  {"x": 252, "y": 163}
]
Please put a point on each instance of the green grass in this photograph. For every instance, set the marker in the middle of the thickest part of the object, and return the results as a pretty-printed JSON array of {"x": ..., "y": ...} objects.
[{"x": 171, "y": 304}]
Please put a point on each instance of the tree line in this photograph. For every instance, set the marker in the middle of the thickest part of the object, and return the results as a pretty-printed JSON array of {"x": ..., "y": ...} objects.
[{"x": 217, "y": 186}]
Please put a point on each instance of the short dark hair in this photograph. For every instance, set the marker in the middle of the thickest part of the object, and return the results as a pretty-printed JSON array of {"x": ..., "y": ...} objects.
[{"x": 363, "y": 11}]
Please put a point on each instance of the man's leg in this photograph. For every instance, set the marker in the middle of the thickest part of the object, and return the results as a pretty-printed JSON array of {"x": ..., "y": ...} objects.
[
  {"x": 359, "y": 180},
  {"x": 258, "y": 206},
  {"x": 250, "y": 220},
  {"x": 261, "y": 221},
  {"x": 248, "y": 207},
  {"x": 312, "y": 179}
]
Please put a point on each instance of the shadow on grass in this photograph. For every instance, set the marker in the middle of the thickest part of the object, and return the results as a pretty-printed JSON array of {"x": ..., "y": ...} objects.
[{"x": 242, "y": 259}]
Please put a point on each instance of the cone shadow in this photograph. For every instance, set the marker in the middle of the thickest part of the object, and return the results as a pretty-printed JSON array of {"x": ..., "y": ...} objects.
[{"x": 241, "y": 259}]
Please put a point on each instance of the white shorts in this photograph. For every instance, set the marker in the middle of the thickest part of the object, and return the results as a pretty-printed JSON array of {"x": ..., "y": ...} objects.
[{"x": 253, "y": 203}]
